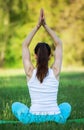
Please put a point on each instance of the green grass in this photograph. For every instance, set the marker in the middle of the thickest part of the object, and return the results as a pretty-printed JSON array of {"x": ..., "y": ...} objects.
[{"x": 14, "y": 88}]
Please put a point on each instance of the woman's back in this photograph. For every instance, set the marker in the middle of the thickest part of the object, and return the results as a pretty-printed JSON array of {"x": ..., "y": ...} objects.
[
  {"x": 43, "y": 83},
  {"x": 44, "y": 95}
]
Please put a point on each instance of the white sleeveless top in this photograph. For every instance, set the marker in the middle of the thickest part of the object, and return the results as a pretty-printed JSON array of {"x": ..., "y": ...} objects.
[{"x": 44, "y": 95}]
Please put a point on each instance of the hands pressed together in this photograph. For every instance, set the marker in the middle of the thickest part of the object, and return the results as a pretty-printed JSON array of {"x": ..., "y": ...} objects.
[{"x": 41, "y": 19}]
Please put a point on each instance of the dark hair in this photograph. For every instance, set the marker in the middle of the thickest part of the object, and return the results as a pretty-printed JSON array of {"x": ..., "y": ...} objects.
[{"x": 43, "y": 51}]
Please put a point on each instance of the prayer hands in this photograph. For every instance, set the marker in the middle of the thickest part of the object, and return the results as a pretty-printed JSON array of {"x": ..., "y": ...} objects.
[{"x": 41, "y": 19}]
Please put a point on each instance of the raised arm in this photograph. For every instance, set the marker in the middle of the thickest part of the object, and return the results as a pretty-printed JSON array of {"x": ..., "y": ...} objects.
[
  {"x": 28, "y": 66},
  {"x": 58, "y": 49}
]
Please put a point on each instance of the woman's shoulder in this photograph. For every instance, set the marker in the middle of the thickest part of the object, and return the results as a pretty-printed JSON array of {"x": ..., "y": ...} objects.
[
  {"x": 33, "y": 74},
  {"x": 52, "y": 73}
]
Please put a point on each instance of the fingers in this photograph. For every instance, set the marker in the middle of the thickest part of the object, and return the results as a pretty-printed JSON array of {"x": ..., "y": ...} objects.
[
  {"x": 43, "y": 22},
  {"x": 41, "y": 18},
  {"x": 42, "y": 13}
]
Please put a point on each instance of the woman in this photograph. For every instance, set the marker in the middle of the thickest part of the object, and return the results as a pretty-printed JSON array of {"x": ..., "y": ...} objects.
[{"x": 42, "y": 82}]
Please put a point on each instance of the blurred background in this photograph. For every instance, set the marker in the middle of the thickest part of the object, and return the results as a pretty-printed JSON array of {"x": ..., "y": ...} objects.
[{"x": 19, "y": 17}]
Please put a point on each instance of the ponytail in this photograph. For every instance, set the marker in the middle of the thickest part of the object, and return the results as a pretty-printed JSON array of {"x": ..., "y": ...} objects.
[{"x": 42, "y": 50}]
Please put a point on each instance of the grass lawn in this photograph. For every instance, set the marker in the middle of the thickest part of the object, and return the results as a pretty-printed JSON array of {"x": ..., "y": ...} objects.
[{"x": 14, "y": 88}]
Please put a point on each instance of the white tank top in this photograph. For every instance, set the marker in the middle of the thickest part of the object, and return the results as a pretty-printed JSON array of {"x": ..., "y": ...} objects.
[{"x": 44, "y": 95}]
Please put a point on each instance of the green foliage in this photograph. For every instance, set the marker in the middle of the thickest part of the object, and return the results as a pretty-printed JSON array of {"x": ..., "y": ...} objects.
[{"x": 18, "y": 17}]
